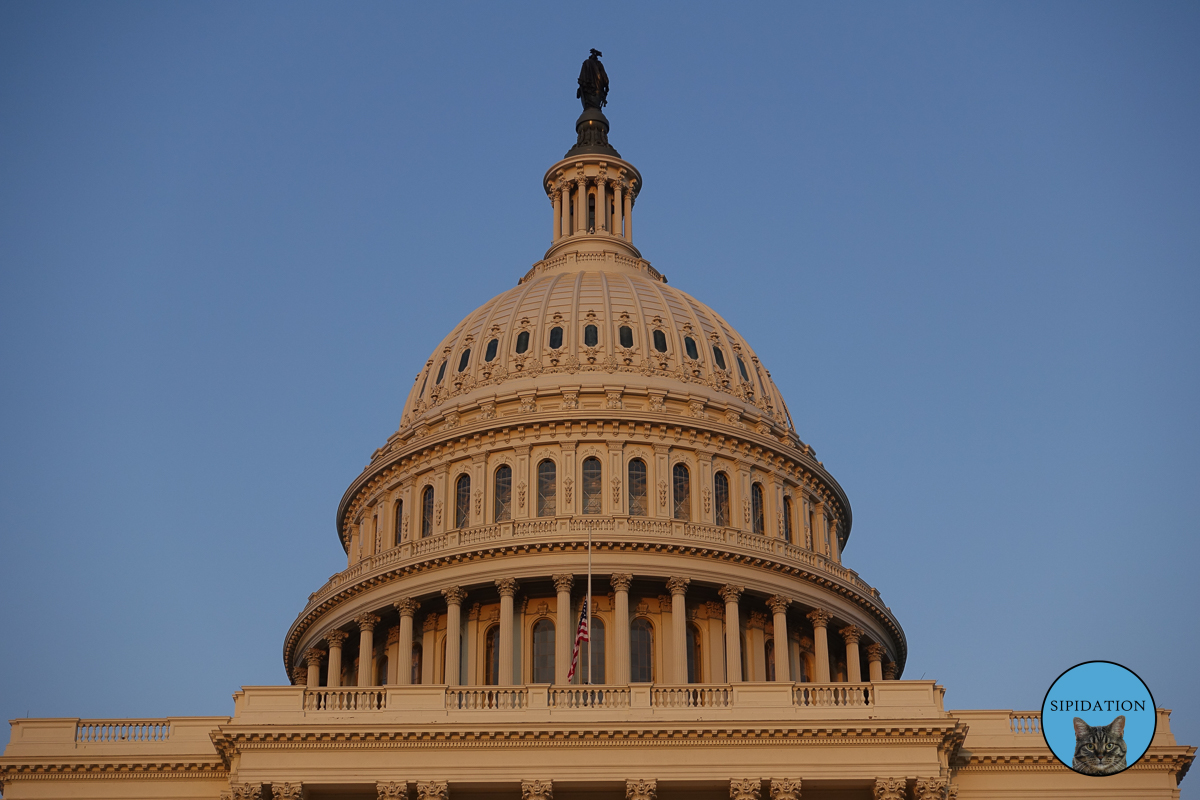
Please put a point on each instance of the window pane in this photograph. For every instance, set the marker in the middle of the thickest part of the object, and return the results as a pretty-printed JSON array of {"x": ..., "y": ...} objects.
[
  {"x": 638, "y": 505},
  {"x": 595, "y": 649},
  {"x": 555, "y": 338},
  {"x": 399, "y": 520},
  {"x": 641, "y": 648},
  {"x": 693, "y": 655},
  {"x": 660, "y": 341},
  {"x": 721, "y": 498},
  {"x": 522, "y": 341},
  {"x": 543, "y": 652},
  {"x": 462, "y": 502},
  {"x": 689, "y": 344},
  {"x": 756, "y": 500},
  {"x": 787, "y": 519},
  {"x": 492, "y": 347},
  {"x": 503, "y": 506},
  {"x": 464, "y": 359},
  {"x": 441, "y": 372},
  {"x": 590, "y": 336},
  {"x": 719, "y": 357},
  {"x": 547, "y": 496},
  {"x": 593, "y": 499},
  {"x": 742, "y": 369},
  {"x": 427, "y": 512},
  {"x": 682, "y": 492},
  {"x": 626, "y": 336}
]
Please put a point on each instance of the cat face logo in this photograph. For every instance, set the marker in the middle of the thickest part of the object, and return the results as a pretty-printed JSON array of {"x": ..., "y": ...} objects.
[{"x": 1099, "y": 749}]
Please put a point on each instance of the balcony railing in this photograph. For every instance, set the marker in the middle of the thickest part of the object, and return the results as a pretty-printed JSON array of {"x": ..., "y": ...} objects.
[
  {"x": 122, "y": 730},
  {"x": 1025, "y": 721}
]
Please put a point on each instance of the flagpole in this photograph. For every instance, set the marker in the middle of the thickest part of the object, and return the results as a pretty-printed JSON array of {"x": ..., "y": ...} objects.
[{"x": 589, "y": 605}]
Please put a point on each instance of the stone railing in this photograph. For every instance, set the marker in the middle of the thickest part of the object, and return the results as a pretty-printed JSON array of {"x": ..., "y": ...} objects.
[
  {"x": 345, "y": 700},
  {"x": 482, "y": 698},
  {"x": 836, "y": 695},
  {"x": 1025, "y": 721},
  {"x": 122, "y": 730},
  {"x": 691, "y": 696},
  {"x": 590, "y": 697},
  {"x": 574, "y": 529}
]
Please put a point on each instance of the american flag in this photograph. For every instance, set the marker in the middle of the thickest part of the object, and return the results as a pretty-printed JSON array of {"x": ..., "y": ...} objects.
[{"x": 581, "y": 636}]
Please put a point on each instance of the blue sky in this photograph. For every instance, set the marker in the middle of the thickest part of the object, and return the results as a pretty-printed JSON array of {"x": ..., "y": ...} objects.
[{"x": 964, "y": 238}]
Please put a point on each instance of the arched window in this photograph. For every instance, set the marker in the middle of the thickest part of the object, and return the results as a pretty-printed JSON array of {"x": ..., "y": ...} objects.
[
  {"x": 689, "y": 344},
  {"x": 591, "y": 336},
  {"x": 593, "y": 500},
  {"x": 787, "y": 520},
  {"x": 503, "y": 507},
  {"x": 555, "y": 337},
  {"x": 694, "y": 661},
  {"x": 543, "y": 651},
  {"x": 441, "y": 372},
  {"x": 398, "y": 516},
  {"x": 415, "y": 675},
  {"x": 423, "y": 383},
  {"x": 462, "y": 501},
  {"x": 721, "y": 498},
  {"x": 641, "y": 651},
  {"x": 756, "y": 510},
  {"x": 770, "y": 659},
  {"x": 593, "y": 652},
  {"x": 742, "y": 369},
  {"x": 522, "y": 342},
  {"x": 719, "y": 357},
  {"x": 464, "y": 359},
  {"x": 492, "y": 347},
  {"x": 547, "y": 490},
  {"x": 625, "y": 335},
  {"x": 660, "y": 341},
  {"x": 682, "y": 491},
  {"x": 381, "y": 669},
  {"x": 427, "y": 512},
  {"x": 491, "y": 656},
  {"x": 638, "y": 505}
]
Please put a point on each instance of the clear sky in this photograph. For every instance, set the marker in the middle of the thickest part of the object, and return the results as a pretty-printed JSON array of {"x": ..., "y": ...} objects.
[{"x": 964, "y": 238}]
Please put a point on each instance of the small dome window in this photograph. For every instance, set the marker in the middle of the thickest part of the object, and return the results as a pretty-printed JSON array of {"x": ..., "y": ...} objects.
[
  {"x": 719, "y": 357},
  {"x": 591, "y": 336},
  {"x": 492, "y": 347},
  {"x": 464, "y": 359},
  {"x": 689, "y": 344},
  {"x": 441, "y": 372},
  {"x": 742, "y": 369},
  {"x": 555, "y": 337},
  {"x": 626, "y": 334},
  {"x": 660, "y": 341},
  {"x": 522, "y": 341}
]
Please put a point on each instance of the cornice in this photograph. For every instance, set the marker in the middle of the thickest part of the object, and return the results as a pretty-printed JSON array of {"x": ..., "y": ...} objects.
[{"x": 123, "y": 770}]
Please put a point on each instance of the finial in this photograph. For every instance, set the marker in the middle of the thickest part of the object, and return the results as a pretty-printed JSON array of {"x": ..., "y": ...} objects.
[
  {"x": 593, "y": 82},
  {"x": 592, "y": 125}
]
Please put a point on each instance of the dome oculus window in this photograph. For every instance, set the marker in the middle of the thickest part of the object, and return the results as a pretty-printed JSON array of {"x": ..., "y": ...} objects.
[
  {"x": 689, "y": 344},
  {"x": 555, "y": 337},
  {"x": 660, "y": 341},
  {"x": 742, "y": 369},
  {"x": 522, "y": 342},
  {"x": 591, "y": 336},
  {"x": 464, "y": 359},
  {"x": 626, "y": 336},
  {"x": 719, "y": 357},
  {"x": 441, "y": 372},
  {"x": 490, "y": 354}
]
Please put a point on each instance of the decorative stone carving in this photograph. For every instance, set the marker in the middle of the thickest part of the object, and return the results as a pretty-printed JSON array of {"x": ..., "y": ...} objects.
[
  {"x": 889, "y": 788},
  {"x": 336, "y": 637},
  {"x": 785, "y": 789},
  {"x": 677, "y": 585},
  {"x": 563, "y": 582},
  {"x": 715, "y": 610},
  {"x": 246, "y": 791},
  {"x": 473, "y": 613},
  {"x": 614, "y": 400},
  {"x": 454, "y": 595},
  {"x": 889, "y": 671},
  {"x": 747, "y": 789},
  {"x": 437, "y": 513},
  {"x": 851, "y": 633},
  {"x": 730, "y": 593},
  {"x": 393, "y": 635},
  {"x": 521, "y": 494},
  {"x": 286, "y": 791},
  {"x": 487, "y": 410},
  {"x": 313, "y": 656},
  {"x": 820, "y": 617},
  {"x": 616, "y": 487},
  {"x": 433, "y": 790},
  {"x": 406, "y": 606},
  {"x": 732, "y": 417},
  {"x": 451, "y": 420},
  {"x": 528, "y": 406},
  {"x": 778, "y": 604},
  {"x": 952, "y": 791},
  {"x": 757, "y": 620},
  {"x": 570, "y": 400},
  {"x": 662, "y": 494},
  {"x": 430, "y": 624},
  {"x": 386, "y": 791},
  {"x": 366, "y": 622},
  {"x": 537, "y": 790},
  {"x": 507, "y": 587},
  {"x": 746, "y": 509},
  {"x": 696, "y": 409},
  {"x": 706, "y": 496},
  {"x": 931, "y": 788},
  {"x": 620, "y": 581},
  {"x": 641, "y": 790},
  {"x": 657, "y": 403},
  {"x": 875, "y": 652},
  {"x": 567, "y": 485}
]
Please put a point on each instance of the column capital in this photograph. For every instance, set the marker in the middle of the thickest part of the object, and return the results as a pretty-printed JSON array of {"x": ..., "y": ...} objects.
[
  {"x": 677, "y": 585},
  {"x": 393, "y": 635},
  {"x": 785, "y": 789},
  {"x": 746, "y": 789},
  {"x": 454, "y": 595},
  {"x": 433, "y": 790},
  {"x": 620, "y": 581},
  {"x": 931, "y": 788},
  {"x": 406, "y": 606},
  {"x": 875, "y": 652},
  {"x": 730, "y": 593},
  {"x": 366, "y": 622},
  {"x": 286, "y": 791},
  {"x": 889, "y": 671},
  {"x": 641, "y": 789},
  {"x": 820, "y": 617},
  {"x": 889, "y": 788},
  {"x": 336, "y": 637},
  {"x": 246, "y": 791},
  {"x": 778, "y": 604},
  {"x": 392, "y": 789},
  {"x": 313, "y": 656},
  {"x": 537, "y": 790},
  {"x": 563, "y": 582},
  {"x": 507, "y": 586},
  {"x": 430, "y": 623},
  {"x": 851, "y": 633}
]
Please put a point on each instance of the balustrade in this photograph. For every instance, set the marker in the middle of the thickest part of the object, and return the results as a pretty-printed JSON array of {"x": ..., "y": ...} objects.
[
  {"x": 345, "y": 700},
  {"x": 124, "y": 730},
  {"x": 691, "y": 696},
  {"x": 1025, "y": 721},
  {"x": 833, "y": 695},
  {"x": 476, "y": 699},
  {"x": 590, "y": 697}
]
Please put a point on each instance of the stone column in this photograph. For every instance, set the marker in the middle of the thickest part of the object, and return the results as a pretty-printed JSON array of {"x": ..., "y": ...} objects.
[
  {"x": 785, "y": 789},
  {"x": 620, "y": 583},
  {"x": 820, "y": 621},
  {"x": 312, "y": 657},
  {"x": 629, "y": 215},
  {"x": 287, "y": 791},
  {"x": 537, "y": 790},
  {"x": 835, "y": 552},
  {"x": 618, "y": 210},
  {"x": 733, "y": 633},
  {"x": 564, "y": 630},
  {"x": 454, "y": 597},
  {"x": 556, "y": 204},
  {"x": 508, "y": 589},
  {"x": 931, "y": 789},
  {"x": 852, "y": 634},
  {"x": 778, "y": 605},
  {"x": 678, "y": 589},
  {"x": 890, "y": 788},
  {"x": 875, "y": 662},
  {"x": 433, "y": 790},
  {"x": 565, "y": 208},
  {"x": 392, "y": 789},
  {"x": 889, "y": 671},
  {"x": 335, "y": 638},
  {"x": 601, "y": 206},
  {"x": 366, "y": 647},
  {"x": 407, "y": 608},
  {"x": 747, "y": 789},
  {"x": 581, "y": 205}
]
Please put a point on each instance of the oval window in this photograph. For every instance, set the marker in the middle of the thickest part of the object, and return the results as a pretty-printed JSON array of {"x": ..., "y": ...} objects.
[
  {"x": 660, "y": 341},
  {"x": 626, "y": 334},
  {"x": 441, "y": 372},
  {"x": 590, "y": 336},
  {"x": 719, "y": 357},
  {"x": 522, "y": 341},
  {"x": 689, "y": 344},
  {"x": 555, "y": 338},
  {"x": 492, "y": 347},
  {"x": 742, "y": 369},
  {"x": 464, "y": 359}
]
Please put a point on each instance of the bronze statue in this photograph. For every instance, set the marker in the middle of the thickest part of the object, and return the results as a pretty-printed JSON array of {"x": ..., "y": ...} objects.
[{"x": 593, "y": 82}]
